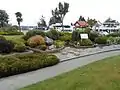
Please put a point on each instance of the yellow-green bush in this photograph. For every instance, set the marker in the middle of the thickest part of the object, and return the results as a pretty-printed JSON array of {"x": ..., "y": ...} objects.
[
  {"x": 24, "y": 63},
  {"x": 36, "y": 41}
]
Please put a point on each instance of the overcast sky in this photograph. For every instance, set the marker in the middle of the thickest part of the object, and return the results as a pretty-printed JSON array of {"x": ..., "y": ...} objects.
[{"x": 32, "y": 10}]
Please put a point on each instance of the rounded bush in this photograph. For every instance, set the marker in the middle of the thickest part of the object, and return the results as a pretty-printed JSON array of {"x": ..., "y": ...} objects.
[
  {"x": 53, "y": 34},
  {"x": 59, "y": 43},
  {"x": 31, "y": 33},
  {"x": 101, "y": 40},
  {"x": 24, "y": 63},
  {"x": 66, "y": 37},
  {"x": 20, "y": 47},
  {"x": 2, "y": 38},
  {"x": 36, "y": 41},
  {"x": 85, "y": 42},
  {"x": 93, "y": 36},
  {"x": 6, "y": 46}
]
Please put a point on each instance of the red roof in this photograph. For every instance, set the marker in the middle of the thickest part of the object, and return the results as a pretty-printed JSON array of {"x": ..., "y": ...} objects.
[{"x": 79, "y": 24}]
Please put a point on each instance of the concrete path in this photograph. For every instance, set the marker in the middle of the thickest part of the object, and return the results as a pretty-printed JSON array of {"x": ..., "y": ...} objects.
[{"x": 19, "y": 81}]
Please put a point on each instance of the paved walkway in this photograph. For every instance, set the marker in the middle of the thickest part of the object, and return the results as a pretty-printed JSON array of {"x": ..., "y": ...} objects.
[
  {"x": 69, "y": 52},
  {"x": 19, "y": 81}
]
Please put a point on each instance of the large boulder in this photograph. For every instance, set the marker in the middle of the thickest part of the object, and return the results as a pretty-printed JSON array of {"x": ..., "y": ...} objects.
[{"x": 49, "y": 41}]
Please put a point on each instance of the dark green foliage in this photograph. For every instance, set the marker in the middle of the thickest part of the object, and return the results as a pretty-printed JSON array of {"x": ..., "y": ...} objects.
[
  {"x": 6, "y": 46},
  {"x": 116, "y": 34},
  {"x": 2, "y": 38},
  {"x": 65, "y": 36},
  {"x": 20, "y": 47},
  {"x": 101, "y": 40},
  {"x": 53, "y": 34},
  {"x": 93, "y": 36},
  {"x": 82, "y": 18},
  {"x": 24, "y": 63},
  {"x": 42, "y": 47},
  {"x": 59, "y": 43},
  {"x": 91, "y": 22},
  {"x": 19, "y": 18},
  {"x": 59, "y": 13},
  {"x": 85, "y": 42},
  {"x": 76, "y": 35},
  {"x": 33, "y": 33},
  {"x": 3, "y": 18}
]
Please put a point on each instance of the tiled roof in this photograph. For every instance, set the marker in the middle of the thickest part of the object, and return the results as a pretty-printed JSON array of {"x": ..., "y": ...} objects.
[{"x": 79, "y": 24}]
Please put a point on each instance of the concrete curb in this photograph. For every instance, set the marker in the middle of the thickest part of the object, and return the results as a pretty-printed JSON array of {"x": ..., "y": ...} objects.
[{"x": 69, "y": 59}]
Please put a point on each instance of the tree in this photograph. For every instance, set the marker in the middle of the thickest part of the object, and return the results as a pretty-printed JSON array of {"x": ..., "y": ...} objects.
[
  {"x": 19, "y": 18},
  {"x": 82, "y": 18},
  {"x": 42, "y": 22},
  {"x": 91, "y": 22},
  {"x": 3, "y": 18},
  {"x": 59, "y": 13}
]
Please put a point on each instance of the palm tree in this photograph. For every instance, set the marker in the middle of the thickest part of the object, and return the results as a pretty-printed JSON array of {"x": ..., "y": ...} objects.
[{"x": 19, "y": 18}]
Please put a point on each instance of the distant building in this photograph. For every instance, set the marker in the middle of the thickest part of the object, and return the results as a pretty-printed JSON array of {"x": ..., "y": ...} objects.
[
  {"x": 58, "y": 26},
  {"x": 28, "y": 27},
  {"x": 109, "y": 26},
  {"x": 81, "y": 24}
]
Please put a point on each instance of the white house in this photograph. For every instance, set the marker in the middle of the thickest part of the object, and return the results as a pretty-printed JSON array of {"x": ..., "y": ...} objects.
[
  {"x": 58, "y": 26},
  {"x": 109, "y": 26}
]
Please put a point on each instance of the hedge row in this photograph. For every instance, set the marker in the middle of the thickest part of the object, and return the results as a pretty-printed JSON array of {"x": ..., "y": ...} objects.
[
  {"x": 24, "y": 63},
  {"x": 11, "y": 33}
]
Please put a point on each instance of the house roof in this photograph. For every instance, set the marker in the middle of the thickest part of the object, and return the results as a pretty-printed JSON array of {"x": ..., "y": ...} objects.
[{"x": 79, "y": 24}]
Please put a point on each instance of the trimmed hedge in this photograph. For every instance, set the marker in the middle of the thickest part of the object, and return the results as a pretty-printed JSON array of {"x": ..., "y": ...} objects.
[
  {"x": 101, "y": 40},
  {"x": 85, "y": 42},
  {"x": 24, "y": 63},
  {"x": 11, "y": 33}
]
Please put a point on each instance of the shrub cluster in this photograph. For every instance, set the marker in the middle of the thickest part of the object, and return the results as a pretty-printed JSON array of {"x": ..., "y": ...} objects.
[
  {"x": 31, "y": 33},
  {"x": 59, "y": 43},
  {"x": 36, "y": 41},
  {"x": 101, "y": 40},
  {"x": 53, "y": 34},
  {"x": 24, "y": 63},
  {"x": 93, "y": 36},
  {"x": 11, "y": 33},
  {"x": 113, "y": 40},
  {"x": 116, "y": 34},
  {"x": 85, "y": 42},
  {"x": 65, "y": 37},
  {"x": 6, "y": 46}
]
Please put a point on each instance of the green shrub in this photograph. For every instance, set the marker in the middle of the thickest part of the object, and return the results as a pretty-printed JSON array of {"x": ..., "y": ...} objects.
[
  {"x": 20, "y": 47},
  {"x": 24, "y": 63},
  {"x": 36, "y": 41},
  {"x": 53, "y": 34},
  {"x": 101, "y": 40},
  {"x": 85, "y": 42},
  {"x": 76, "y": 35},
  {"x": 33, "y": 33},
  {"x": 93, "y": 36},
  {"x": 59, "y": 43},
  {"x": 43, "y": 47},
  {"x": 65, "y": 37},
  {"x": 116, "y": 34},
  {"x": 2, "y": 38},
  {"x": 6, "y": 46},
  {"x": 117, "y": 40},
  {"x": 111, "y": 40}
]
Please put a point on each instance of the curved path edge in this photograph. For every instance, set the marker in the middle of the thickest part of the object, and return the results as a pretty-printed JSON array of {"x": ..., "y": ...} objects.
[{"x": 22, "y": 80}]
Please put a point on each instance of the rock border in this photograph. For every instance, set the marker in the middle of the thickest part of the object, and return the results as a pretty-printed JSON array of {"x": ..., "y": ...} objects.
[{"x": 48, "y": 51}]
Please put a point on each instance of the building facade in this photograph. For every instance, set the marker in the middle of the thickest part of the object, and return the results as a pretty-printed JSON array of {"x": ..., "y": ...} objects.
[{"x": 109, "y": 26}]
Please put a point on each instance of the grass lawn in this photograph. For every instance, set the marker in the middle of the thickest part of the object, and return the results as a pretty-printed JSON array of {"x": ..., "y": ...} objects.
[
  {"x": 101, "y": 75},
  {"x": 15, "y": 38}
]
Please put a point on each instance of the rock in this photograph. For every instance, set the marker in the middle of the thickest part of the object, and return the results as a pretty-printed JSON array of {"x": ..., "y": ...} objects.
[
  {"x": 48, "y": 41},
  {"x": 51, "y": 47}
]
